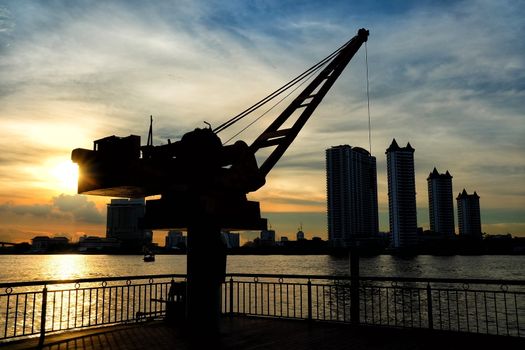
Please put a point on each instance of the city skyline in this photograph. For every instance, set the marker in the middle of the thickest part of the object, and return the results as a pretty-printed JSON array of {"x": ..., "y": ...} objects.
[{"x": 73, "y": 72}]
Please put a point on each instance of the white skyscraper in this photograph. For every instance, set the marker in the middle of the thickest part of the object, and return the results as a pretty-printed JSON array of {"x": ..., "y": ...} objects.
[
  {"x": 469, "y": 218},
  {"x": 401, "y": 195},
  {"x": 351, "y": 184},
  {"x": 441, "y": 203}
]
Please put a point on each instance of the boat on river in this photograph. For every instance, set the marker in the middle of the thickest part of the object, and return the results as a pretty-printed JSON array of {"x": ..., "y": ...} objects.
[{"x": 149, "y": 257}]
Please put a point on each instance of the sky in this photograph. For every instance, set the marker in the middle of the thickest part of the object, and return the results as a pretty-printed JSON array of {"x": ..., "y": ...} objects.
[{"x": 446, "y": 76}]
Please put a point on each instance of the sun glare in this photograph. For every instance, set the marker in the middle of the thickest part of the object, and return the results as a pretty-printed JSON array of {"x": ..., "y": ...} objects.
[
  {"x": 66, "y": 266},
  {"x": 66, "y": 176}
]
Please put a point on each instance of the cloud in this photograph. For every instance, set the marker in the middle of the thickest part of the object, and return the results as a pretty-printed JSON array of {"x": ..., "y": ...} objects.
[
  {"x": 38, "y": 210},
  {"x": 74, "y": 208},
  {"x": 79, "y": 207},
  {"x": 13, "y": 155}
]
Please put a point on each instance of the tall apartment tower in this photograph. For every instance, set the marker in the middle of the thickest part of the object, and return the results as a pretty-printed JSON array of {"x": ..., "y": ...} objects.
[
  {"x": 123, "y": 223},
  {"x": 441, "y": 203},
  {"x": 469, "y": 218},
  {"x": 401, "y": 195},
  {"x": 351, "y": 184}
]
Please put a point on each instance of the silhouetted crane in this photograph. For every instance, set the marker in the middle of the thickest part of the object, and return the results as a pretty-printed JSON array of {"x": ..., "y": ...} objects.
[{"x": 202, "y": 183}]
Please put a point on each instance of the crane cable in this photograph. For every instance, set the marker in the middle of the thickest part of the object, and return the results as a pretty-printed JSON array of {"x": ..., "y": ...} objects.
[
  {"x": 272, "y": 107},
  {"x": 272, "y": 95},
  {"x": 279, "y": 91}
]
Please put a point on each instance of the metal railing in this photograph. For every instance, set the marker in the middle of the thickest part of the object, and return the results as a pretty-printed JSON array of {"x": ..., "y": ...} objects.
[
  {"x": 40, "y": 307},
  {"x": 463, "y": 305}
]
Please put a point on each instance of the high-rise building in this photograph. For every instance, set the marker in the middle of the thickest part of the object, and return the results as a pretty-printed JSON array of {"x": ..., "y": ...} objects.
[
  {"x": 441, "y": 203},
  {"x": 469, "y": 218},
  {"x": 401, "y": 195},
  {"x": 123, "y": 223},
  {"x": 351, "y": 185}
]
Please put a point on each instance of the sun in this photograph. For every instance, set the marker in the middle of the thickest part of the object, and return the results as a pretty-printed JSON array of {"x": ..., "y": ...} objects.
[{"x": 65, "y": 174}]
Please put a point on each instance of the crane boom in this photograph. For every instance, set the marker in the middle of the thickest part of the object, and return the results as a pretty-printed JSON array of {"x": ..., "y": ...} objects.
[{"x": 307, "y": 100}]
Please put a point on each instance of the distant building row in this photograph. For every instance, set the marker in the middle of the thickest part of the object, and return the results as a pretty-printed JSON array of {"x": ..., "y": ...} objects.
[
  {"x": 176, "y": 239},
  {"x": 351, "y": 182}
]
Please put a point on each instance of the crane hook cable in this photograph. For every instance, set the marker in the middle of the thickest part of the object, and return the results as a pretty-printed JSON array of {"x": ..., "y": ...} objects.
[{"x": 280, "y": 90}]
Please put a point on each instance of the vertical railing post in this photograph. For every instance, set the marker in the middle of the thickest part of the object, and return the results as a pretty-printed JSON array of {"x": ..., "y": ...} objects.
[
  {"x": 354, "y": 287},
  {"x": 43, "y": 318},
  {"x": 231, "y": 296},
  {"x": 429, "y": 307},
  {"x": 309, "y": 290}
]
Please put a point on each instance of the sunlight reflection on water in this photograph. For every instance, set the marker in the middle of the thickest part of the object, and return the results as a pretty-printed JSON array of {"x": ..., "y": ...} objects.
[{"x": 65, "y": 266}]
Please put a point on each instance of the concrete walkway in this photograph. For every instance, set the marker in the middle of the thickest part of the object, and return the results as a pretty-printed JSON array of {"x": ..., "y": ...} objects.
[{"x": 267, "y": 333}]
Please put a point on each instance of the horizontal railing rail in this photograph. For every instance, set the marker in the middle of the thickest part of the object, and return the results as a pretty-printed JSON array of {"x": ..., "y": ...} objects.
[
  {"x": 386, "y": 279},
  {"x": 36, "y": 308},
  {"x": 86, "y": 280}
]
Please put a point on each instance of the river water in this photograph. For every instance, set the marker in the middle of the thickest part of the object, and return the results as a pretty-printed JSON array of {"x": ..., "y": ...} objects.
[
  {"x": 17, "y": 268},
  {"x": 493, "y": 309}
]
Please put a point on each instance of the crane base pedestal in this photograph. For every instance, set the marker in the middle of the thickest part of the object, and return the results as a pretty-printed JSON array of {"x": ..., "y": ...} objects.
[{"x": 206, "y": 269}]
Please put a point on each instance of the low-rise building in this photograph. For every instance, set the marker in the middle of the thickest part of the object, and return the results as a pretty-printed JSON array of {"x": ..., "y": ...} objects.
[
  {"x": 44, "y": 243},
  {"x": 88, "y": 244}
]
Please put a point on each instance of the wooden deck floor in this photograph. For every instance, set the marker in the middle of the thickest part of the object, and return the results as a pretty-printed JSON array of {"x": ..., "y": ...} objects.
[{"x": 266, "y": 333}]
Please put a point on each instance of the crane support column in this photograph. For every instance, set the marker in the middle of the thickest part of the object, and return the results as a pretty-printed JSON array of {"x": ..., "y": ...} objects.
[{"x": 206, "y": 268}]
